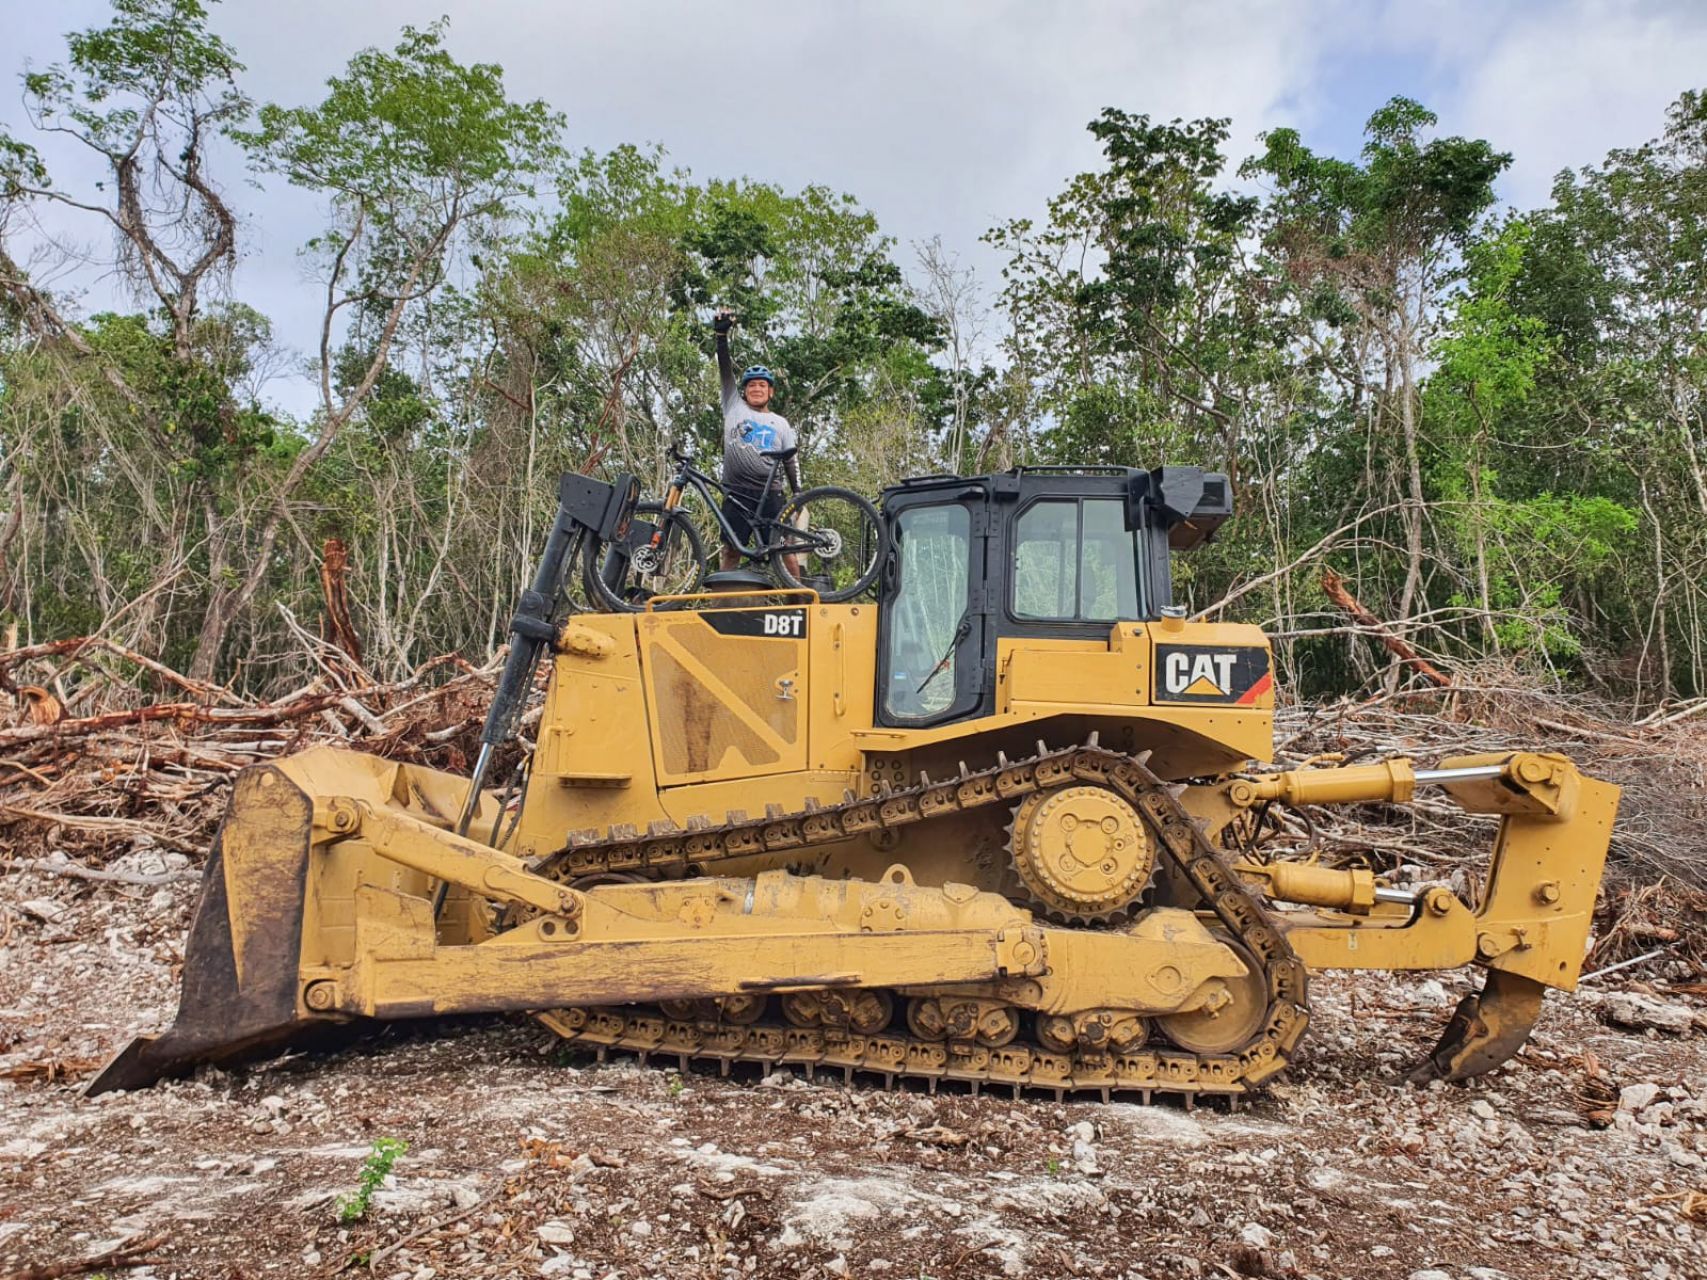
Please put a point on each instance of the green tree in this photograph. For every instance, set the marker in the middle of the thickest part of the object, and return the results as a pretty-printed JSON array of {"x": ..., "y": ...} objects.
[
  {"x": 1146, "y": 325},
  {"x": 1136, "y": 305},
  {"x": 140, "y": 414},
  {"x": 607, "y": 308},
  {"x": 1617, "y": 275},
  {"x": 1369, "y": 249},
  {"x": 417, "y": 154},
  {"x": 147, "y": 95}
]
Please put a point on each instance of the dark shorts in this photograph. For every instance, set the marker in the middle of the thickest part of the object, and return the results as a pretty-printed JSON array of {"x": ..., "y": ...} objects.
[{"x": 741, "y": 506}]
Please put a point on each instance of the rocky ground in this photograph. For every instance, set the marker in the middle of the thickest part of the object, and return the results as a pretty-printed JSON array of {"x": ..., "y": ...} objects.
[{"x": 1587, "y": 1156}]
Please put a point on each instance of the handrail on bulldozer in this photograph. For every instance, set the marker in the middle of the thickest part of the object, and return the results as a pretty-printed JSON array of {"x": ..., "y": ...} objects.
[{"x": 810, "y": 594}]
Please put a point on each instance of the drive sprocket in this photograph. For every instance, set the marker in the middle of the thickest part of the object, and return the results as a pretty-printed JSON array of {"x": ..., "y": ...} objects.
[{"x": 1081, "y": 853}]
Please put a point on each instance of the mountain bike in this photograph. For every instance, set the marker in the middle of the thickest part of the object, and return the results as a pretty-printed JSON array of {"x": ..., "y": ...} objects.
[{"x": 826, "y": 538}]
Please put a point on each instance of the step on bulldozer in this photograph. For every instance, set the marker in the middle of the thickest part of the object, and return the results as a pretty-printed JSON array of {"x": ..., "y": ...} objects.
[{"x": 1002, "y": 824}]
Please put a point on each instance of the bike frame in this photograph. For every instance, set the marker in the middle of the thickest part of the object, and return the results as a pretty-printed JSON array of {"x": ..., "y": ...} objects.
[{"x": 689, "y": 476}]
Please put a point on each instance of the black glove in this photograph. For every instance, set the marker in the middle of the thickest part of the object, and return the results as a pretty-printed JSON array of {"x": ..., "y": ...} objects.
[{"x": 723, "y": 321}]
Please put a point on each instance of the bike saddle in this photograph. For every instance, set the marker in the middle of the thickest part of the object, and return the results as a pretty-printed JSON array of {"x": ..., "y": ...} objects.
[
  {"x": 744, "y": 580},
  {"x": 781, "y": 455}
]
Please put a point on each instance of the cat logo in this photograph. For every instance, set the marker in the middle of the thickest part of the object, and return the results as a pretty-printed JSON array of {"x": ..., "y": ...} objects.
[
  {"x": 1211, "y": 673},
  {"x": 1207, "y": 675}
]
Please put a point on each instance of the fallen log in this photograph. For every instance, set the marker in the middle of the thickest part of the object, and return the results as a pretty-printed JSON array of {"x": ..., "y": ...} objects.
[
  {"x": 77, "y": 646},
  {"x": 196, "y": 713},
  {"x": 182, "y": 875}
]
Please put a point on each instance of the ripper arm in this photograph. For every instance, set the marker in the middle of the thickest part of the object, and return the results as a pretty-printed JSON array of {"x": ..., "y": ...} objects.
[
  {"x": 1535, "y": 912},
  {"x": 1530, "y": 927}
]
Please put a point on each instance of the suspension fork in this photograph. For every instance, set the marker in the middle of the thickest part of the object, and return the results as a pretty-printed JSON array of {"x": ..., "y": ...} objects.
[{"x": 672, "y": 501}]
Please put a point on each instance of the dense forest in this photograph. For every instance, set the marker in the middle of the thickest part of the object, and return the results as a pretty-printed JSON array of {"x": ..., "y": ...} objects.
[{"x": 1486, "y": 424}]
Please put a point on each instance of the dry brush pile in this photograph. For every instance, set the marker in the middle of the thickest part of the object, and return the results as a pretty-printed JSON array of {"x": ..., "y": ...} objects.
[
  {"x": 1654, "y": 895},
  {"x": 106, "y": 750}
]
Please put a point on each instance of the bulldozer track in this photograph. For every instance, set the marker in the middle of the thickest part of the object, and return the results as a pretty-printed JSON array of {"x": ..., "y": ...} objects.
[{"x": 1141, "y": 1071}]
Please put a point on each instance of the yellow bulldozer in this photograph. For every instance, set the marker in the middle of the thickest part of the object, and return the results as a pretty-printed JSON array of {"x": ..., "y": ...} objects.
[{"x": 1000, "y": 824}]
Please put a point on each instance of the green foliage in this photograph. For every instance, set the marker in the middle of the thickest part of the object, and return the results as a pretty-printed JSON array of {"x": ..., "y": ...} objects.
[
  {"x": 1546, "y": 546},
  {"x": 153, "y": 51},
  {"x": 21, "y": 167},
  {"x": 1164, "y": 227},
  {"x": 375, "y": 1169},
  {"x": 412, "y": 148},
  {"x": 1492, "y": 352},
  {"x": 401, "y": 132},
  {"x": 207, "y": 433},
  {"x": 624, "y": 273},
  {"x": 397, "y": 411},
  {"x": 1135, "y": 306},
  {"x": 1501, "y": 414},
  {"x": 1408, "y": 198}
]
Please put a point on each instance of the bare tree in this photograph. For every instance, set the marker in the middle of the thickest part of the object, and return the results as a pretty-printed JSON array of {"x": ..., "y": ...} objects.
[
  {"x": 952, "y": 298},
  {"x": 148, "y": 94}
]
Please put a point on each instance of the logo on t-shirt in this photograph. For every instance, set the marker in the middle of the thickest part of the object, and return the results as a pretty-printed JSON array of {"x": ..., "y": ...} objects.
[{"x": 761, "y": 435}]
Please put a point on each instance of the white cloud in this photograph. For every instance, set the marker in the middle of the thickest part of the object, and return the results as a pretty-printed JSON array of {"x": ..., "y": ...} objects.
[{"x": 1566, "y": 84}]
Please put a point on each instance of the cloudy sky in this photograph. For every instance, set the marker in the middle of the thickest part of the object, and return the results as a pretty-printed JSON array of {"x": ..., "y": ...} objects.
[{"x": 947, "y": 117}]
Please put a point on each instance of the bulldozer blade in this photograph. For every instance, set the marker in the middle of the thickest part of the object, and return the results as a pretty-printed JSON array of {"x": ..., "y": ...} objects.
[
  {"x": 239, "y": 993},
  {"x": 1486, "y": 1029}
]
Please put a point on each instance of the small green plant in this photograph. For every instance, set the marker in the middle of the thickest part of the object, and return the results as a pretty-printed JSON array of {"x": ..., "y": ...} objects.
[
  {"x": 676, "y": 1085},
  {"x": 1053, "y": 1166},
  {"x": 378, "y": 1163}
]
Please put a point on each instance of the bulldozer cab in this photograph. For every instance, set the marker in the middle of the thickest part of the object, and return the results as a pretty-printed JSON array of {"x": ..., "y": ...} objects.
[{"x": 1038, "y": 552}]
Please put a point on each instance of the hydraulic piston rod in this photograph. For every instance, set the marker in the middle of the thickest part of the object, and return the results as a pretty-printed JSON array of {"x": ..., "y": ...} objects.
[
  {"x": 1522, "y": 782},
  {"x": 1464, "y": 774},
  {"x": 1352, "y": 889}
]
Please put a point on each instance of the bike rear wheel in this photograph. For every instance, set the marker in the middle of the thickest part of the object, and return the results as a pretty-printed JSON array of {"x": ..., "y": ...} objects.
[
  {"x": 837, "y": 540},
  {"x": 623, "y": 583}
]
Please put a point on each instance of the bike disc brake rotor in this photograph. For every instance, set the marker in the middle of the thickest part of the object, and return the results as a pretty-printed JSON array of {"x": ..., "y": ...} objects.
[{"x": 826, "y": 543}]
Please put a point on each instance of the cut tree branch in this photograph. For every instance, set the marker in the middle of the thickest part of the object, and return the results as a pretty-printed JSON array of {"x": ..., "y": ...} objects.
[{"x": 1335, "y": 587}]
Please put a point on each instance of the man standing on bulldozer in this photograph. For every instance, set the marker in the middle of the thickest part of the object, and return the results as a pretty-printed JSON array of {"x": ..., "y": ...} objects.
[{"x": 752, "y": 486}]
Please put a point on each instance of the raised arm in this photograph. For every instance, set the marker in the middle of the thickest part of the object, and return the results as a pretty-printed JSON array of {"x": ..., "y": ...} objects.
[{"x": 725, "y": 364}]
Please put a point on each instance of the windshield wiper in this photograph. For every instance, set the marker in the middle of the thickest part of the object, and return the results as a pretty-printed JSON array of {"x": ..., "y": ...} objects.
[{"x": 960, "y": 633}]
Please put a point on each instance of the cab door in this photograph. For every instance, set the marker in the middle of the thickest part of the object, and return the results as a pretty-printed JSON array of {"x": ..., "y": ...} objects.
[
  {"x": 725, "y": 691},
  {"x": 930, "y": 669}
]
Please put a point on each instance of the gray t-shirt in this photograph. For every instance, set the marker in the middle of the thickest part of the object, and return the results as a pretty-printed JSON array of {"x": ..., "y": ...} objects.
[{"x": 748, "y": 433}]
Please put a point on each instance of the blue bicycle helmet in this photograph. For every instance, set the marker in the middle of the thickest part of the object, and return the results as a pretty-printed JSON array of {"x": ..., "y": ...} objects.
[{"x": 756, "y": 374}]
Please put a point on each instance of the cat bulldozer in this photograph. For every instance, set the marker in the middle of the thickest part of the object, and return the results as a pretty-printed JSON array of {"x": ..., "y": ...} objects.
[{"x": 1004, "y": 822}]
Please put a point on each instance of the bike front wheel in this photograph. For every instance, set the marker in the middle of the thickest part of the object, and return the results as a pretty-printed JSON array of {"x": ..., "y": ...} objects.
[
  {"x": 622, "y": 579},
  {"x": 835, "y": 539}
]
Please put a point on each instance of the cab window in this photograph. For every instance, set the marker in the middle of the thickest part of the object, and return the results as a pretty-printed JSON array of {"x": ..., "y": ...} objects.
[
  {"x": 1075, "y": 561},
  {"x": 934, "y": 547}
]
